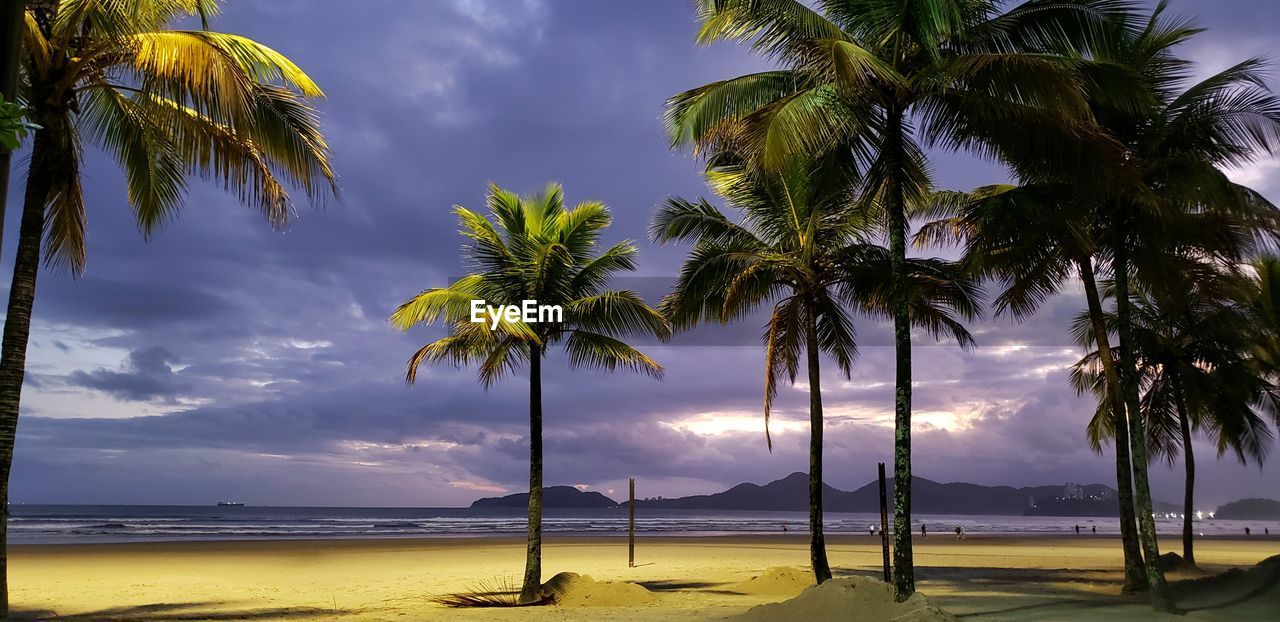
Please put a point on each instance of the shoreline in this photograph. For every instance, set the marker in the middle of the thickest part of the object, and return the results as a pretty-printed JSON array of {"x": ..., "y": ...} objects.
[{"x": 1167, "y": 540}]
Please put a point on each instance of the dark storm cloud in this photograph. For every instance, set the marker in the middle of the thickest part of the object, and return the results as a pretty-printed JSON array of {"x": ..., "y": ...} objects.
[
  {"x": 133, "y": 305},
  {"x": 277, "y": 379},
  {"x": 146, "y": 375}
]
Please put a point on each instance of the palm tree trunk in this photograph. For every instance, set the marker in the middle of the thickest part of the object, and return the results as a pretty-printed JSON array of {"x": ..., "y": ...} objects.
[
  {"x": 1188, "y": 461},
  {"x": 817, "y": 544},
  {"x": 531, "y": 590},
  {"x": 17, "y": 328},
  {"x": 1161, "y": 599},
  {"x": 1135, "y": 577},
  {"x": 904, "y": 576},
  {"x": 12, "y": 17}
]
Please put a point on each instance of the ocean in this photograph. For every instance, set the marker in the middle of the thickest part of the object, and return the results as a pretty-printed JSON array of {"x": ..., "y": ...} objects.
[{"x": 62, "y": 524}]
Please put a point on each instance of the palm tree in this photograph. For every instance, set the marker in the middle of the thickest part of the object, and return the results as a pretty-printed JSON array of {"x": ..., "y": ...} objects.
[
  {"x": 1184, "y": 203},
  {"x": 167, "y": 104},
  {"x": 1032, "y": 239},
  {"x": 534, "y": 248},
  {"x": 1193, "y": 345},
  {"x": 800, "y": 247},
  {"x": 879, "y": 81},
  {"x": 1168, "y": 200}
]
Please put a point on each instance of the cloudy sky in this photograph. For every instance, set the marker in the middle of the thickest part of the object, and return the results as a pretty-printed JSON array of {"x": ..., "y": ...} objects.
[{"x": 224, "y": 360}]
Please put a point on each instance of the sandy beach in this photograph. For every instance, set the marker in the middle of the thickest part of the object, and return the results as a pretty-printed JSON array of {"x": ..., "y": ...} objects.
[{"x": 987, "y": 578}]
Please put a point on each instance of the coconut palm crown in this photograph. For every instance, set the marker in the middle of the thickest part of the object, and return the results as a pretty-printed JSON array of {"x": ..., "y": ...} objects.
[{"x": 167, "y": 104}]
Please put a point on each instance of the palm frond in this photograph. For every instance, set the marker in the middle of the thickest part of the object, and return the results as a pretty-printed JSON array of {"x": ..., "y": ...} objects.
[
  {"x": 783, "y": 344},
  {"x": 773, "y": 27},
  {"x": 155, "y": 175},
  {"x": 65, "y": 218},
  {"x": 597, "y": 351},
  {"x": 697, "y": 117},
  {"x": 447, "y": 304},
  {"x": 616, "y": 313}
]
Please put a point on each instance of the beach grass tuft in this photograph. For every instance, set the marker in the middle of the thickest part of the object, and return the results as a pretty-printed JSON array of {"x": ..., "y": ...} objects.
[{"x": 500, "y": 592}]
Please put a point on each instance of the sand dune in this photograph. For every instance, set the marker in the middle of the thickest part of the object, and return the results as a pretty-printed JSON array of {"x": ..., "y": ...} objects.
[
  {"x": 781, "y": 581},
  {"x": 682, "y": 579},
  {"x": 838, "y": 600},
  {"x": 575, "y": 590}
]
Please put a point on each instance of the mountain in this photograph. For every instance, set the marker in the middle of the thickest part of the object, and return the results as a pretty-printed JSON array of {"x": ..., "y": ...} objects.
[
  {"x": 1250, "y": 509},
  {"x": 788, "y": 493},
  {"x": 927, "y": 497},
  {"x": 552, "y": 497}
]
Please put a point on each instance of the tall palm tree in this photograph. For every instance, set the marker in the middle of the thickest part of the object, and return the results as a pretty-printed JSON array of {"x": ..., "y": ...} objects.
[
  {"x": 878, "y": 81},
  {"x": 800, "y": 247},
  {"x": 534, "y": 248},
  {"x": 1184, "y": 202},
  {"x": 1032, "y": 240},
  {"x": 1193, "y": 346},
  {"x": 167, "y": 104},
  {"x": 1167, "y": 200}
]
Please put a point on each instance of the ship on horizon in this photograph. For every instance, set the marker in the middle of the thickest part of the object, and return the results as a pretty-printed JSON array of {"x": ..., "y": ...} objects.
[{"x": 231, "y": 504}]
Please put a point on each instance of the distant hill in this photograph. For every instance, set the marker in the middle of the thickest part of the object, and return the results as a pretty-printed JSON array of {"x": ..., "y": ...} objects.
[
  {"x": 552, "y": 497},
  {"x": 1250, "y": 509},
  {"x": 788, "y": 493},
  {"x": 927, "y": 497}
]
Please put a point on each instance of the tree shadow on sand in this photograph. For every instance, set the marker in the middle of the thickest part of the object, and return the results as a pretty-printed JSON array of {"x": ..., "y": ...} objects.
[
  {"x": 842, "y": 573},
  {"x": 1080, "y": 590},
  {"x": 1031, "y": 589},
  {"x": 710, "y": 587},
  {"x": 1257, "y": 582},
  {"x": 182, "y": 611},
  {"x": 1008, "y": 586}
]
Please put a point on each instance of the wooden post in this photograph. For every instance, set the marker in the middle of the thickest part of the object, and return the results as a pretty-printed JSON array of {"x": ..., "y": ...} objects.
[
  {"x": 631, "y": 526},
  {"x": 884, "y": 525}
]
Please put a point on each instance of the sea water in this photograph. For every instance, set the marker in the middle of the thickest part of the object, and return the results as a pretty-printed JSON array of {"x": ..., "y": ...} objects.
[{"x": 55, "y": 524}]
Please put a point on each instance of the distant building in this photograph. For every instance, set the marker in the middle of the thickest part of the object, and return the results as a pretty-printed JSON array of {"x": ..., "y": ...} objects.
[{"x": 1072, "y": 491}]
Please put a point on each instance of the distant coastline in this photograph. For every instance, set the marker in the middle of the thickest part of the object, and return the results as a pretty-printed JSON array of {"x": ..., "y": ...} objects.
[
  {"x": 928, "y": 497},
  {"x": 1251, "y": 509}
]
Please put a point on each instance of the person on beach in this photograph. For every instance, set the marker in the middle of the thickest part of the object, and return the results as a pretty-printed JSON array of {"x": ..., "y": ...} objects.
[
  {"x": 959, "y": 533},
  {"x": 1077, "y": 529},
  {"x": 871, "y": 529},
  {"x": 1246, "y": 531},
  {"x": 1095, "y": 530},
  {"x": 924, "y": 531}
]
